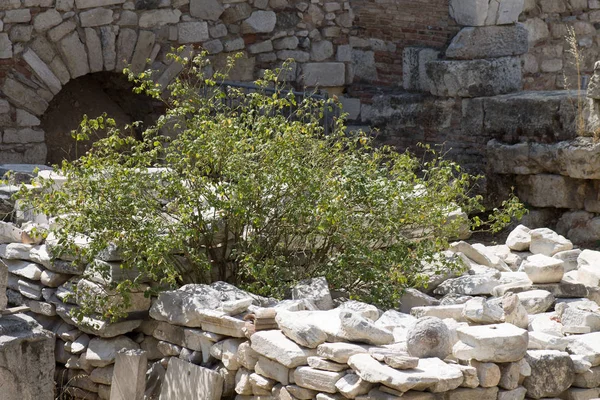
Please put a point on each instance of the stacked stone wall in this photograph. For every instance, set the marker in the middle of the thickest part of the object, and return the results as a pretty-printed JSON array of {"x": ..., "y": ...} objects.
[
  {"x": 521, "y": 321},
  {"x": 549, "y": 65},
  {"x": 46, "y": 43}
]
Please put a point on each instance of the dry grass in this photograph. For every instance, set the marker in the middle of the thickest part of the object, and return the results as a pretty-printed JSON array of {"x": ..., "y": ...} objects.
[{"x": 576, "y": 56}]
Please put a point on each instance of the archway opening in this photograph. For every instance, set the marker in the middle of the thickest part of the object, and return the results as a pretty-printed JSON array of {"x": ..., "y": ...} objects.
[{"x": 93, "y": 95}]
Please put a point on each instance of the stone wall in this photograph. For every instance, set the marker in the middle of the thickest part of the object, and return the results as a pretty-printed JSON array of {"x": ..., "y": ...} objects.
[
  {"x": 548, "y": 61},
  {"x": 46, "y": 43},
  {"x": 521, "y": 321}
]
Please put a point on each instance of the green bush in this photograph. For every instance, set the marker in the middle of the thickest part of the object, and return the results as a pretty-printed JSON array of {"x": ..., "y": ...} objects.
[{"x": 248, "y": 194}]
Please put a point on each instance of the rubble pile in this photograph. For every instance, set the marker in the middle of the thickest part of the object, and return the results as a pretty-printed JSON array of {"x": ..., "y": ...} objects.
[{"x": 522, "y": 321}]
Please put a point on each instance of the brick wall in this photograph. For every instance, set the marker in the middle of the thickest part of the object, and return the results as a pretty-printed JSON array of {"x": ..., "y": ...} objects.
[{"x": 396, "y": 24}]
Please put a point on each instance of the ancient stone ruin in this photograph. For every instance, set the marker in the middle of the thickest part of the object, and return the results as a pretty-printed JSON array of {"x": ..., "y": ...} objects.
[
  {"x": 522, "y": 321},
  {"x": 492, "y": 80}
]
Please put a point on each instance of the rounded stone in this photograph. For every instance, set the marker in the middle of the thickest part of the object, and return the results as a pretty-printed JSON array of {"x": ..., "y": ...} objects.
[{"x": 429, "y": 337}]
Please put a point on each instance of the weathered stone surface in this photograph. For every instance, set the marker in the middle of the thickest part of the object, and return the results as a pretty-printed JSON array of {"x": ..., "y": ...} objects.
[
  {"x": 567, "y": 192},
  {"x": 315, "y": 289},
  {"x": 340, "y": 352},
  {"x": 273, "y": 370},
  {"x": 533, "y": 126},
  {"x": 431, "y": 373},
  {"x": 488, "y": 374},
  {"x": 301, "y": 330},
  {"x": 470, "y": 285},
  {"x": 491, "y": 343},
  {"x": 27, "y": 359},
  {"x": 75, "y": 55},
  {"x": 513, "y": 311},
  {"x": 6, "y": 46},
  {"x": 158, "y": 18},
  {"x": 60, "y": 31},
  {"x": 185, "y": 381},
  {"x": 588, "y": 272},
  {"x": 489, "y": 42},
  {"x": 352, "y": 385},
  {"x": 221, "y": 323},
  {"x": 94, "y": 49},
  {"x": 246, "y": 356},
  {"x": 125, "y": 45},
  {"x": 593, "y": 88},
  {"x": 587, "y": 346},
  {"x": 519, "y": 238},
  {"x": 579, "y": 314},
  {"x": 510, "y": 375},
  {"x": 475, "y": 78},
  {"x": 429, "y": 337},
  {"x": 109, "y": 52},
  {"x": 301, "y": 393},
  {"x": 206, "y": 9},
  {"x": 569, "y": 257},
  {"x": 192, "y": 32},
  {"x": 102, "y": 352},
  {"x": 551, "y": 373},
  {"x": 563, "y": 289},
  {"x": 143, "y": 48},
  {"x": 46, "y": 20},
  {"x": 543, "y": 269},
  {"x": 415, "y": 298},
  {"x": 453, "y": 311},
  {"x": 536, "y": 301},
  {"x": 181, "y": 306},
  {"x": 43, "y": 71},
  {"x": 326, "y": 74},
  {"x": 414, "y": 74},
  {"x": 3, "y": 284},
  {"x": 321, "y": 51},
  {"x": 473, "y": 394},
  {"x": 400, "y": 361},
  {"x": 24, "y": 97},
  {"x": 480, "y": 311},
  {"x": 353, "y": 327},
  {"x": 485, "y": 12},
  {"x": 588, "y": 379},
  {"x": 480, "y": 255},
  {"x": 96, "y": 17},
  {"x": 325, "y": 365},
  {"x": 547, "y": 242},
  {"x": 274, "y": 345},
  {"x": 259, "y": 22},
  {"x": 314, "y": 379},
  {"x": 96, "y": 3},
  {"x": 129, "y": 378},
  {"x": 365, "y": 310},
  {"x": 25, "y": 269}
]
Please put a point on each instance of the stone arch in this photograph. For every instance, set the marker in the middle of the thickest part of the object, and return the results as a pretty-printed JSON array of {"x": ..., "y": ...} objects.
[
  {"x": 59, "y": 54},
  {"x": 93, "y": 95},
  {"x": 44, "y": 44}
]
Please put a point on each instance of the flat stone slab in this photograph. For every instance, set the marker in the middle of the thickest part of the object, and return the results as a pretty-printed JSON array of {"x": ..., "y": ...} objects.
[
  {"x": 491, "y": 343},
  {"x": 489, "y": 42},
  {"x": 474, "y": 78},
  {"x": 523, "y": 117},
  {"x": 275, "y": 345},
  {"x": 485, "y": 12},
  {"x": 543, "y": 269},
  {"x": 186, "y": 381},
  {"x": 431, "y": 373},
  {"x": 26, "y": 359},
  {"x": 587, "y": 346}
]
